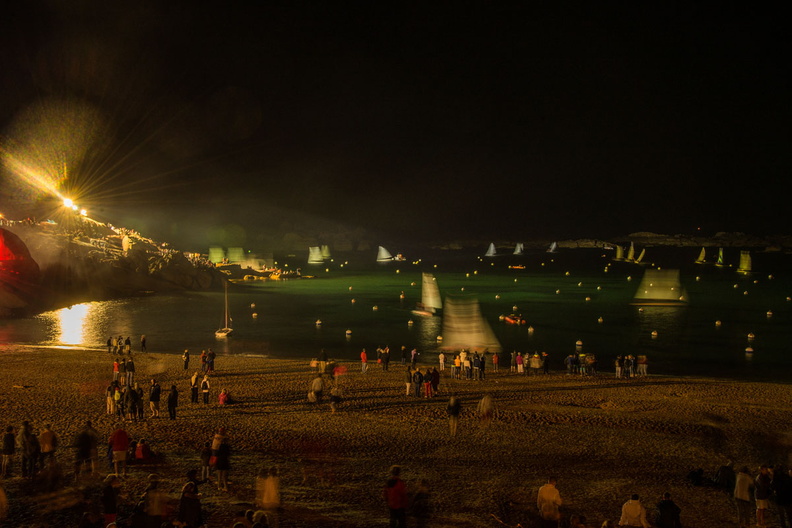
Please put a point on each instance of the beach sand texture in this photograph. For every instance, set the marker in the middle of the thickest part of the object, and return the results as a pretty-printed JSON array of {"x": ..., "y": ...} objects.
[{"x": 603, "y": 439}]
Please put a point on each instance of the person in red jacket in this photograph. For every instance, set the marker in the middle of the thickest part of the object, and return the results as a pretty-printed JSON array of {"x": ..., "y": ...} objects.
[
  {"x": 395, "y": 494},
  {"x": 119, "y": 441}
]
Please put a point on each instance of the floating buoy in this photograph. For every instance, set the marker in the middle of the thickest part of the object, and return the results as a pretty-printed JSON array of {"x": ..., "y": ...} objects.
[
  {"x": 435, "y": 266},
  {"x": 401, "y": 295},
  {"x": 640, "y": 310},
  {"x": 318, "y": 322},
  {"x": 255, "y": 315},
  {"x": 349, "y": 332},
  {"x": 497, "y": 296},
  {"x": 599, "y": 288},
  {"x": 350, "y": 288},
  {"x": 751, "y": 336},
  {"x": 629, "y": 278},
  {"x": 600, "y": 320},
  {"x": 374, "y": 308},
  {"x": 566, "y": 274},
  {"x": 749, "y": 352},
  {"x": 769, "y": 314},
  {"x": 745, "y": 292},
  {"x": 770, "y": 277},
  {"x": 467, "y": 274},
  {"x": 530, "y": 329},
  {"x": 398, "y": 271},
  {"x": 736, "y": 286},
  {"x": 698, "y": 279},
  {"x": 412, "y": 284},
  {"x": 410, "y": 322},
  {"x": 606, "y": 270},
  {"x": 514, "y": 308},
  {"x": 558, "y": 291},
  {"x": 718, "y": 323},
  {"x": 756, "y": 281},
  {"x": 515, "y": 280},
  {"x": 353, "y": 301},
  {"x": 580, "y": 284},
  {"x": 588, "y": 299},
  {"x": 439, "y": 338},
  {"x": 501, "y": 317},
  {"x": 654, "y": 334},
  {"x": 327, "y": 270},
  {"x": 463, "y": 288},
  {"x": 579, "y": 343},
  {"x": 252, "y": 305}
]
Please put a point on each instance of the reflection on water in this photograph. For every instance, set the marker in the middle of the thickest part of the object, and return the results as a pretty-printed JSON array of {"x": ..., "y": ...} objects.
[{"x": 71, "y": 323}]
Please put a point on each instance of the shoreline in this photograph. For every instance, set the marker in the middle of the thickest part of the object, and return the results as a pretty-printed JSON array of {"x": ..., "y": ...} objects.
[{"x": 603, "y": 438}]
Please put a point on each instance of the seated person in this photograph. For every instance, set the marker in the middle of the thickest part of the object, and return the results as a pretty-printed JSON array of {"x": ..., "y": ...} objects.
[
  {"x": 143, "y": 451},
  {"x": 225, "y": 397}
]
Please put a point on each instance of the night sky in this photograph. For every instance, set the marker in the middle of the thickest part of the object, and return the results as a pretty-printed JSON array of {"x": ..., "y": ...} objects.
[{"x": 426, "y": 121}]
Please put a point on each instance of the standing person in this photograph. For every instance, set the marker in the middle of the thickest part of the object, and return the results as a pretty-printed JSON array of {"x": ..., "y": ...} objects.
[
  {"x": 435, "y": 381},
  {"x": 421, "y": 507},
  {"x": 86, "y": 443},
  {"x": 385, "y": 358},
  {"x": 195, "y": 384},
  {"x": 210, "y": 361},
  {"x": 668, "y": 513},
  {"x": 322, "y": 361},
  {"x": 29, "y": 447},
  {"x": 408, "y": 379},
  {"x": 618, "y": 364},
  {"x": 545, "y": 363},
  {"x": 205, "y": 389},
  {"x": 441, "y": 360},
  {"x": 110, "y": 494},
  {"x": 427, "y": 379},
  {"x": 130, "y": 371},
  {"x": 190, "y": 505},
  {"x": 762, "y": 492},
  {"x": 513, "y": 361},
  {"x": 495, "y": 361},
  {"x": 454, "y": 408},
  {"x": 413, "y": 358},
  {"x": 203, "y": 361},
  {"x": 173, "y": 402},
  {"x": 128, "y": 345},
  {"x": 139, "y": 402},
  {"x": 417, "y": 382},
  {"x": 223, "y": 464},
  {"x": 643, "y": 365},
  {"x": 519, "y": 361},
  {"x": 143, "y": 343},
  {"x": 724, "y": 478},
  {"x": 404, "y": 355},
  {"x": 782, "y": 486},
  {"x": 109, "y": 345},
  {"x": 9, "y": 448},
  {"x": 548, "y": 500},
  {"x": 116, "y": 369},
  {"x": 48, "y": 441},
  {"x": 206, "y": 456},
  {"x": 395, "y": 495},
  {"x": 155, "y": 392},
  {"x": 119, "y": 443},
  {"x": 186, "y": 359},
  {"x": 633, "y": 513},
  {"x": 363, "y": 361}
]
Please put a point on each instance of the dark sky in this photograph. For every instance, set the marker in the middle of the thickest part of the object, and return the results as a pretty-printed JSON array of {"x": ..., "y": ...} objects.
[{"x": 433, "y": 120}]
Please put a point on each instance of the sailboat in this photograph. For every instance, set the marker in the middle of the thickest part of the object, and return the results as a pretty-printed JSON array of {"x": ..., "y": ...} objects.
[
  {"x": 430, "y": 296},
  {"x": 315, "y": 255},
  {"x": 325, "y": 252},
  {"x": 719, "y": 262},
  {"x": 464, "y": 327},
  {"x": 490, "y": 250},
  {"x": 745, "y": 262},
  {"x": 660, "y": 288},
  {"x": 226, "y": 330},
  {"x": 518, "y": 249},
  {"x": 702, "y": 258},
  {"x": 553, "y": 247},
  {"x": 619, "y": 253},
  {"x": 383, "y": 255},
  {"x": 640, "y": 256}
]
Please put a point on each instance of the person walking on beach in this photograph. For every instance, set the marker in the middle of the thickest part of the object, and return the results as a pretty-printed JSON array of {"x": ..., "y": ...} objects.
[
  {"x": 205, "y": 389},
  {"x": 210, "y": 361},
  {"x": 9, "y": 448},
  {"x": 119, "y": 444},
  {"x": 173, "y": 402},
  {"x": 762, "y": 492},
  {"x": 633, "y": 513},
  {"x": 363, "y": 361},
  {"x": 85, "y": 457},
  {"x": 186, "y": 359},
  {"x": 453, "y": 410},
  {"x": 195, "y": 384},
  {"x": 154, "y": 398},
  {"x": 742, "y": 497},
  {"x": 548, "y": 500},
  {"x": 395, "y": 495}
]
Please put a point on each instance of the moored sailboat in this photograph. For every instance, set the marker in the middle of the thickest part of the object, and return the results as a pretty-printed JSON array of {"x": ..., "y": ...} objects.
[
  {"x": 383, "y": 255},
  {"x": 430, "y": 296},
  {"x": 226, "y": 330},
  {"x": 702, "y": 258},
  {"x": 745, "y": 262},
  {"x": 518, "y": 249},
  {"x": 490, "y": 250}
]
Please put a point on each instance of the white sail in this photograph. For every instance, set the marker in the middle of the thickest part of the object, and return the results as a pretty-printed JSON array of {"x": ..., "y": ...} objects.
[
  {"x": 660, "y": 287},
  {"x": 383, "y": 255},
  {"x": 619, "y": 253},
  {"x": 640, "y": 256},
  {"x": 518, "y": 249},
  {"x": 745, "y": 262},
  {"x": 553, "y": 247},
  {"x": 631, "y": 253},
  {"x": 315, "y": 255},
  {"x": 719, "y": 262},
  {"x": 490, "y": 250},
  {"x": 702, "y": 258},
  {"x": 326, "y": 252},
  {"x": 430, "y": 293},
  {"x": 465, "y": 327}
]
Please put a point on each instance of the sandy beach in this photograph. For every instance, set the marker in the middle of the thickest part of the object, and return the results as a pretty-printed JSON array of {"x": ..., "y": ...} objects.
[{"x": 603, "y": 439}]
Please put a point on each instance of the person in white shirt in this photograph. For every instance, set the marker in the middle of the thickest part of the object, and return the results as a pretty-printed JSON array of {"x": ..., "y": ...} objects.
[
  {"x": 548, "y": 500},
  {"x": 633, "y": 513}
]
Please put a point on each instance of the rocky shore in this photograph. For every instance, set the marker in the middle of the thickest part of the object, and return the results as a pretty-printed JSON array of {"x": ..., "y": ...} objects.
[{"x": 603, "y": 438}]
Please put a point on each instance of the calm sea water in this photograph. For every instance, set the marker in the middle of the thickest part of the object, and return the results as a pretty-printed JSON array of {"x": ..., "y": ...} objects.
[{"x": 562, "y": 296}]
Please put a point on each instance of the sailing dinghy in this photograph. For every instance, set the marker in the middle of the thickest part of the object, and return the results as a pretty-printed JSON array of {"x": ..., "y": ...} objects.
[
  {"x": 226, "y": 330},
  {"x": 430, "y": 297}
]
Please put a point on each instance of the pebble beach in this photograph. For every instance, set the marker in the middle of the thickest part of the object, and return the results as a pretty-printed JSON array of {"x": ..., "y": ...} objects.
[{"x": 602, "y": 438}]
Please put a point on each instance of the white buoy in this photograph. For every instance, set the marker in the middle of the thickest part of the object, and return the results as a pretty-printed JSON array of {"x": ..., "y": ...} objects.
[
  {"x": 374, "y": 308},
  {"x": 327, "y": 270},
  {"x": 514, "y": 308},
  {"x": 475, "y": 272},
  {"x": 410, "y": 322},
  {"x": 531, "y": 330},
  {"x": 497, "y": 296},
  {"x": 255, "y": 315},
  {"x": 463, "y": 288},
  {"x": 467, "y": 274},
  {"x": 558, "y": 291},
  {"x": 349, "y": 332},
  {"x": 579, "y": 343},
  {"x": 350, "y": 288},
  {"x": 599, "y": 288},
  {"x": 515, "y": 280},
  {"x": 401, "y": 295},
  {"x": 749, "y": 352},
  {"x": 751, "y": 336},
  {"x": 654, "y": 334},
  {"x": 566, "y": 274},
  {"x": 398, "y": 271},
  {"x": 745, "y": 292},
  {"x": 588, "y": 299},
  {"x": 501, "y": 317},
  {"x": 353, "y": 301},
  {"x": 718, "y": 323},
  {"x": 318, "y": 322},
  {"x": 580, "y": 284},
  {"x": 252, "y": 305},
  {"x": 698, "y": 279},
  {"x": 412, "y": 284},
  {"x": 769, "y": 314},
  {"x": 600, "y": 320},
  {"x": 629, "y": 278},
  {"x": 439, "y": 338}
]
